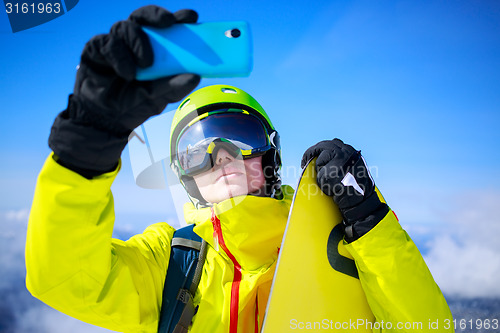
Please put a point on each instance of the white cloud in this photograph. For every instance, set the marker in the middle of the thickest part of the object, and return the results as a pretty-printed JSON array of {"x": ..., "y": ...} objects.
[
  {"x": 465, "y": 259},
  {"x": 45, "y": 319},
  {"x": 20, "y": 312},
  {"x": 12, "y": 239},
  {"x": 20, "y": 215},
  {"x": 470, "y": 269}
]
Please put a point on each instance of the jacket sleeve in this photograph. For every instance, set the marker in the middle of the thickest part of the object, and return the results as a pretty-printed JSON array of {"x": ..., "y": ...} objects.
[
  {"x": 398, "y": 285},
  {"x": 75, "y": 266}
]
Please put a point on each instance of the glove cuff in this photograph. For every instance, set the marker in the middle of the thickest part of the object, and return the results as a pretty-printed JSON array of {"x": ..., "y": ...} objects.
[
  {"x": 362, "y": 218},
  {"x": 84, "y": 149},
  {"x": 361, "y": 210}
]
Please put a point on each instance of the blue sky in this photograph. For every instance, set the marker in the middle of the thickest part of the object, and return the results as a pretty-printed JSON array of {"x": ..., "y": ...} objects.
[{"x": 413, "y": 84}]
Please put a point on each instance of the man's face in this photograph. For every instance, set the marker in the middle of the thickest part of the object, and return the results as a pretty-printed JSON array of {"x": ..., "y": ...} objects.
[{"x": 230, "y": 177}]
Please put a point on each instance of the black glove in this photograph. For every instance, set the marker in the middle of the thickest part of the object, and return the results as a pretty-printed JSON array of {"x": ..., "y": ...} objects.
[
  {"x": 107, "y": 102},
  {"x": 342, "y": 173}
]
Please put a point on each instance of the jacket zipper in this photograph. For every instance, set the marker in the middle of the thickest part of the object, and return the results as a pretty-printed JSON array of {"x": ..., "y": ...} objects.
[{"x": 235, "y": 287}]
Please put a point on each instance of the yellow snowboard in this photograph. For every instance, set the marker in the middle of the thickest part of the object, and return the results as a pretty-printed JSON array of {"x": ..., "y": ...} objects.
[{"x": 316, "y": 285}]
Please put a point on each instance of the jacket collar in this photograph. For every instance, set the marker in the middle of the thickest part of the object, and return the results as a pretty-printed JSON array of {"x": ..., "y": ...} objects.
[{"x": 251, "y": 227}]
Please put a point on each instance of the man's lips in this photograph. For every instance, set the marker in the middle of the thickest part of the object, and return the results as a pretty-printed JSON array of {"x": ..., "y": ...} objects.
[{"x": 229, "y": 173}]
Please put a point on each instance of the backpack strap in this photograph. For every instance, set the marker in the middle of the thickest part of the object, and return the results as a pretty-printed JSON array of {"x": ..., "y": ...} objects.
[{"x": 187, "y": 256}]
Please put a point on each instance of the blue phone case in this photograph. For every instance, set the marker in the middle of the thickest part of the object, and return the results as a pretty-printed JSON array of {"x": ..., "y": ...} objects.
[{"x": 212, "y": 49}]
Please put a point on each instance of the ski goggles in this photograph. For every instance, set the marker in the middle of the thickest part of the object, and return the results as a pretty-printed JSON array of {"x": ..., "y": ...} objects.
[{"x": 236, "y": 131}]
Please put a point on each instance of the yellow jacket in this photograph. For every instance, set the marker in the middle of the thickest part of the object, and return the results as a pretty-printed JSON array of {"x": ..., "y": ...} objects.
[{"x": 75, "y": 266}]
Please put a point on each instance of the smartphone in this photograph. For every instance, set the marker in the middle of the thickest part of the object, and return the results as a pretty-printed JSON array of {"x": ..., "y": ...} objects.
[{"x": 211, "y": 49}]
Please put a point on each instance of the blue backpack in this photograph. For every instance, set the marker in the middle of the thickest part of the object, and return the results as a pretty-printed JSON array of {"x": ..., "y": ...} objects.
[{"x": 183, "y": 276}]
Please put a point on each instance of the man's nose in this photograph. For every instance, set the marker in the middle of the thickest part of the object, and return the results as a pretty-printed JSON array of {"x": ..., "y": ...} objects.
[{"x": 223, "y": 157}]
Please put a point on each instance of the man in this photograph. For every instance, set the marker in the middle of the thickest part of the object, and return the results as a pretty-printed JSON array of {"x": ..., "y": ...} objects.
[{"x": 226, "y": 153}]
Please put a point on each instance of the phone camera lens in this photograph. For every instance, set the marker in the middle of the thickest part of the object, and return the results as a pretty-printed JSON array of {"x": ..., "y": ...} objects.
[{"x": 233, "y": 33}]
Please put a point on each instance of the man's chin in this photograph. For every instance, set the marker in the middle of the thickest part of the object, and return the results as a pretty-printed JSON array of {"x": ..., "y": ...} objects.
[{"x": 236, "y": 190}]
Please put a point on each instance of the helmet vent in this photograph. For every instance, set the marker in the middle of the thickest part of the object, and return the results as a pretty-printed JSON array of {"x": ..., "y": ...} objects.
[{"x": 229, "y": 91}]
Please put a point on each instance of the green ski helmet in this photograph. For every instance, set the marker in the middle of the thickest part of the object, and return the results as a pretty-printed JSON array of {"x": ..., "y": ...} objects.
[{"x": 219, "y": 101}]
